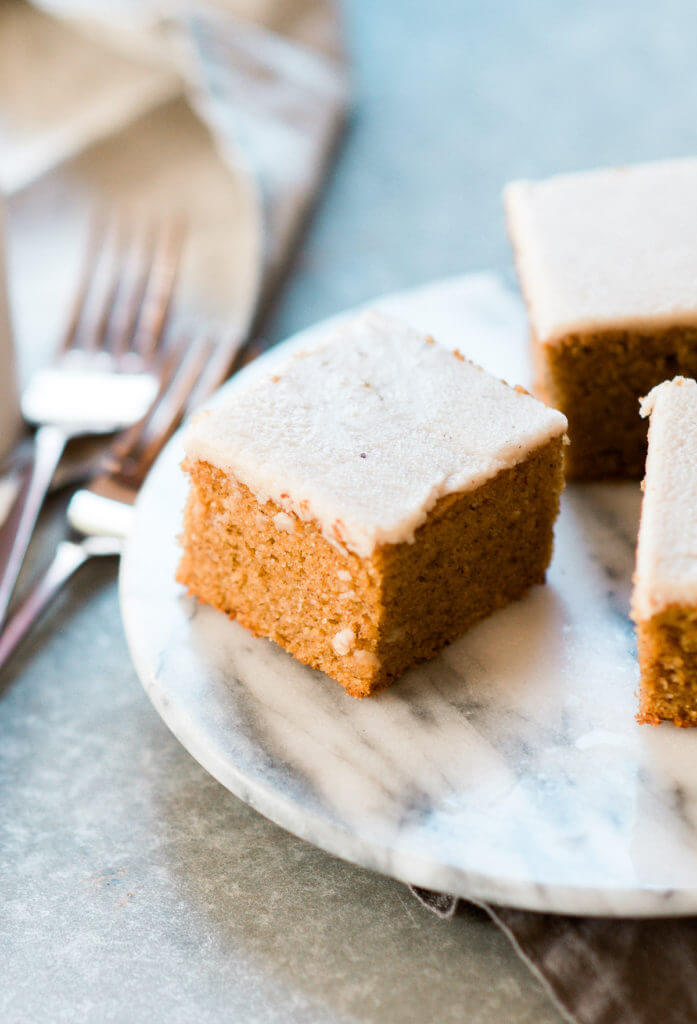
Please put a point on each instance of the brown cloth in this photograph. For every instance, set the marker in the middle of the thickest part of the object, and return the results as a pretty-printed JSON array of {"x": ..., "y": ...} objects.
[{"x": 600, "y": 970}]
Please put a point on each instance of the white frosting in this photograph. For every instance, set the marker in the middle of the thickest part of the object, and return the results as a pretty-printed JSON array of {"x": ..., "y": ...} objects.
[
  {"x": 364, "y": 432},
  {"x": 610, "y": 248},
  {"x": 666, "y": 570}
]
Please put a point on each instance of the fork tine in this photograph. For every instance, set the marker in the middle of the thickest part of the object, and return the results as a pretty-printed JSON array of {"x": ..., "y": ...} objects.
[
  {"x": 127, "y": 443},
  {"x": 97, "y": 336},
  {"x": 157, "y": 295},
  {"x": 137, "y": 275},
  {"x": 216, "y": 370},
  {"x": 165, "y": 413},
  {"x": 95, "y": 240}
]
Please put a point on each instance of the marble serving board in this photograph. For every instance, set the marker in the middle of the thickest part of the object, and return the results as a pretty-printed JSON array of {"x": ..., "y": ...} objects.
[{"x": 510, "y": 769}]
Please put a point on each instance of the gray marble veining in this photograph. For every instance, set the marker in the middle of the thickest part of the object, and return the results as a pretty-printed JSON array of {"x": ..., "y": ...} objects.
[{"x": 511, "y": 768}]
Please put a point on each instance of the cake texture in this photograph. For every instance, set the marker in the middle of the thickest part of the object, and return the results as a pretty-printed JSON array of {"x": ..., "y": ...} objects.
[
  {"x": 607, "y": 264},
  {"x": 369, "y": 499},
  {"x": 664, "y": 601}
]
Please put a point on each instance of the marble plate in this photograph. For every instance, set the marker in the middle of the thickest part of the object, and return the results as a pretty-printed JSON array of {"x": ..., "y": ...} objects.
[{"x": 511, "y": 768}]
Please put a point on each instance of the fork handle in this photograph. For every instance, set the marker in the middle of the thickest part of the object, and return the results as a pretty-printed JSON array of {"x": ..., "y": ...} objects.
[
  {"x": 49, "y": 444},
  {"x": 68, "y": 557}
]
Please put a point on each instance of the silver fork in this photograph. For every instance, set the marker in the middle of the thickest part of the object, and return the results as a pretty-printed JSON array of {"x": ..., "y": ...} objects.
[
  {"x": 99, "y": 515},
  {"x": 102, "y": 378}
]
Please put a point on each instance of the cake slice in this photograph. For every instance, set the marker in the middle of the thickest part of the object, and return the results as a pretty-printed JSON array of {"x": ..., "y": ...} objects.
[
  {"x": 369, "y": 499},
  {"x": 607, "y": 262},
  {"x": 664, "y": 602}
]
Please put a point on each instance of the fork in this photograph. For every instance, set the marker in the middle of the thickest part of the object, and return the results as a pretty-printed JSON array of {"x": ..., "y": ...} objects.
[
  {"x": 100, "y": 514},
  {"x": 102, "y": 377}
]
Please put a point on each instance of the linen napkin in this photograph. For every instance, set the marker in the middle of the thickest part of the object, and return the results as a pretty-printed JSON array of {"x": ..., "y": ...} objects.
[
  {"x": 224, "y": 112},
  {"x": 599, "y": 970}
]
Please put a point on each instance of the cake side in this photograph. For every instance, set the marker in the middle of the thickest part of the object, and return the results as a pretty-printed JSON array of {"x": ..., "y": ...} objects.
[
  {"x": 477, "y": 552},
  {"x": 364, "y": 621},
  {"x": 281, "y": 578},
  {"x": 667, "y": 644},
  {"x": 597, "y": 380}
]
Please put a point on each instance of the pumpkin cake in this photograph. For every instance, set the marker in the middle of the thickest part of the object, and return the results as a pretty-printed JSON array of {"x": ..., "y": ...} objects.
[
  {"x": 607, "y": 262},
  {"x": 368, "y": 499},
  {"x": 664, "y": 602}
]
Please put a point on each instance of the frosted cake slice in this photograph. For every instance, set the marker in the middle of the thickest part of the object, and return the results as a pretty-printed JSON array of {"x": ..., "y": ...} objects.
[
  {"x": 369, "y": 499},
  {"x": 664, "y": 603},
  {"x": 607, "y": 262}
]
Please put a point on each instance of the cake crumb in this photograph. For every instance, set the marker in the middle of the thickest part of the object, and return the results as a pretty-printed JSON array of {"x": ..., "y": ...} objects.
[
  {"x": 365, "y": 659},
  {"x": 343, "y": 641},
  {"x": 283, "y": 521}
]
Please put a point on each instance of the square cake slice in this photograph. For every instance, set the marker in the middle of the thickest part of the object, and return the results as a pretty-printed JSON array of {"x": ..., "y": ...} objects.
[
  {"x": 607, "y": 262},
  {"x": 369, "y": 499},
  {"x": 664, "y": 602}
]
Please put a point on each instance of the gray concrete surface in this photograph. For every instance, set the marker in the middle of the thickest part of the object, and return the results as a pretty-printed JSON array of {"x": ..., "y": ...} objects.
[{"x": 133, "y": 887}]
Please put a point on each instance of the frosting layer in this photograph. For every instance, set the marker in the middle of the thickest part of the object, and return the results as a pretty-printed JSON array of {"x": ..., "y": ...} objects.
[
  {"x": 365, "y": 431},
  {"x": 608, "y": 248},
  {"x": 666, "y": 570}
]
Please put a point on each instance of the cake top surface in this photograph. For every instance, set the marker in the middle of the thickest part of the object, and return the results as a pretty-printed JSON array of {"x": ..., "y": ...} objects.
[
  {"x": 666, "y": 570},
  {"x": 364, "y": 431},
  {"x": 607, "y": 249}
]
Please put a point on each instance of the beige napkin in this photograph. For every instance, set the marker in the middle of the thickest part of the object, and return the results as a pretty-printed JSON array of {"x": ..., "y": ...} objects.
[{"x": 225, "y": 112}]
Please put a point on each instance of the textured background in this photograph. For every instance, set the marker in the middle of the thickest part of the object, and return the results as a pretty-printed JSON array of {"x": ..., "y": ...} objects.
[{"x": 133, "y": 887}]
